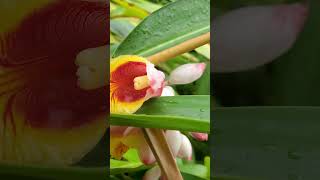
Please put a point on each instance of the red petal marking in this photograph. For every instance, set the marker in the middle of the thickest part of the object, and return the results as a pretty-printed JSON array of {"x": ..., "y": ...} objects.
[
  {"x": 44, "y": 46},
  {"x": 66, "y": 26},
  {"x": 123, "y": 77}
]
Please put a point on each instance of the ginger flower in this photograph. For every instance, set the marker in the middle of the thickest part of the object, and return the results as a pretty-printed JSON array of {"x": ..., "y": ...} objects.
[
  {"x": 132, "y": 77},
  {"x": 45, "y": 117},
  {"x": 133, "y": 80}
]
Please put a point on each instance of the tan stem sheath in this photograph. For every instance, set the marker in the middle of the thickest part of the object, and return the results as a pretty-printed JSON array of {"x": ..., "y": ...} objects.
[
  {"x": 182, "y": 48},
  {"x": 160, "y": 148}
]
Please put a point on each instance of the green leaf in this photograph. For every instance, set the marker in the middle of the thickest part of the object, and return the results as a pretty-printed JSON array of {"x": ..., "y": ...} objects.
[
  {"x": 204, "y": 50},
  {"x": 185, "y": 113},
  {"x": 203, "y": 84},
  {"x": 146, "y": 5},
  {"x": 131, "y": 9},
  {"x": 207, "y": 164},
  {"x": 278, "y": 125},
  {"x": 194, "y": 169},
  {"x": 282, "y": 140},
  {"x": 121, "y": 27},
  {"x": 119, "y": 167},
  {"x": 175, "y": 23},
  {"x": 132, "y": 155},
  {"x": 131, "y": 163}
]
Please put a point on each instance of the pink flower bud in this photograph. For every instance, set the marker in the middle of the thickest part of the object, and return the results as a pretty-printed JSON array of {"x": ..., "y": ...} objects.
[
  {"x": 199, "y": 136},
  {"x": 249, "y": 37},
  {"x": 187, "y": 73}
]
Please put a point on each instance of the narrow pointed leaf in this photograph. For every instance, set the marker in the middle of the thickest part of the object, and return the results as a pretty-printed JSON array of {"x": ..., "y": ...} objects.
[
  {"x": 167, "y": 27},
  {"x": 186, "y": 113}
]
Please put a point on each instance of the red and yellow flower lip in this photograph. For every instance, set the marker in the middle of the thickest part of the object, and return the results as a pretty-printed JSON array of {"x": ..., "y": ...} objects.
[
  {"x": 45, "y": 117},
  {"x": 133, "y": 80}
]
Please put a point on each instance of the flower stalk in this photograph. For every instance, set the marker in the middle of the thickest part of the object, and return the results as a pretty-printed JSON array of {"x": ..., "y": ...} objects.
[
  {"x": 160, "y": 148},
  {"x": 179, "y": 49}
]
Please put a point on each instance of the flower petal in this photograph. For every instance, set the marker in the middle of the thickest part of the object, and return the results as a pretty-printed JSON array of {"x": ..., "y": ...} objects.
[
  {"x": 152, "y": 174},
  {"x": 134, "y": 138},
  {"x": 168, "y": 91},
  {"x": 199, "y": 136},
  {"x": 117, "y": 148},
  {"x": 156, "y": 79},
  {"x": 252, "y": 36},
  {"x": 185, "y": 150},
  {"x": 41, "y": 122},
  {"x": 92, "y": 67},
  {"x": 174, "y": 141},
  {"x": 123, "y": 96},
  {"x": 125, "y": 73},
  {"x": 186, "y": 73}
]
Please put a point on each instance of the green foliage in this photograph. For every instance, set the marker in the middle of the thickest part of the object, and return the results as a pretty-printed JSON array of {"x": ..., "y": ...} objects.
[
  {"x": 186, "y": 113},
  {"x": 184, "y": 19}
]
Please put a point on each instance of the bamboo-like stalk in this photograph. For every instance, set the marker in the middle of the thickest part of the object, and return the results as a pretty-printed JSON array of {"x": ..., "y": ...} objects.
[
  {"x": 160, "y": 148},
  {"x": 182, "y": 48}
]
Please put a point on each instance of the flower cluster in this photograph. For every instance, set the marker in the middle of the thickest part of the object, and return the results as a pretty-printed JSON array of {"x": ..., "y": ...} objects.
[{"x": 133, "y": 80}]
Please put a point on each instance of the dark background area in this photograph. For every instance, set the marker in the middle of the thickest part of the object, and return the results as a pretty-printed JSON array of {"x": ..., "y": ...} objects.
[{"x": 265, "y": 120}]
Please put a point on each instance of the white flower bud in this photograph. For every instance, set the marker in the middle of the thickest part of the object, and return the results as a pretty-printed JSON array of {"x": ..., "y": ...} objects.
[
  {"x": 187, "y": 73},
  {"x": 174, "y": 141},
  {"x": 152, "y": 174},
  {"x": 185, "y": 151},
  {"x": 167, "y": 91},
  {"x": 249, "y": 37}
]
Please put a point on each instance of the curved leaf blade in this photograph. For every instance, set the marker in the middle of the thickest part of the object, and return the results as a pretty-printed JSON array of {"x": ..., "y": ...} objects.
[
  {"x": 161, "y": 122},
  {"x": 185, "y": 113},
  {"x": 175, "y": 23}
]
